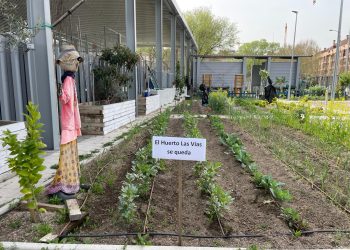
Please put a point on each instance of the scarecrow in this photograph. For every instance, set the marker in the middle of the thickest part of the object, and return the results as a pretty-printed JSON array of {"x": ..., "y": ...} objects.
[{"x": 66, "y": 181}]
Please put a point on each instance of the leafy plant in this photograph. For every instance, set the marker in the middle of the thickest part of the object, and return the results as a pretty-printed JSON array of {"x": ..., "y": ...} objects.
[
  {"x": 179, "y": 81},
  {"x": 97, "y": 188},
  {"x": 190, "y": 125},
  {"x": 61, "y": 216},
  {"x": 142, "y": 240},
  {"x": 43, "y": 229},
  {"x": 218, "y": 101},
  {"x": 55, "y": 200},
  {"x": 264, "y": 74},
  {"x": 26, "y": 159},
  {"x": 144, "y": 169},
  {"x": 219, "y": 201},
  {"x": 113, "y": 75},
  {"x": 15, "y": 224},
  {"x": 293, "y": 219},
  {"x": 127, "y": 206}
]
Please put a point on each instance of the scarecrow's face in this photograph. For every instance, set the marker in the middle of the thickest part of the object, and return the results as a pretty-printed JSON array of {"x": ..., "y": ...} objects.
[{"x": 69, "y": 62}]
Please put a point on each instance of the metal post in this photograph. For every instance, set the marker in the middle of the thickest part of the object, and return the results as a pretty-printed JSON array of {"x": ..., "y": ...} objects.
[
  {"x": 159, "y": 42},
  {"x": 182, "y": 55},
  {"x": 173, "y": 47},
  {"x": 16, "y": 79},
  {"x": 347, "y": 54},
  {"x": 292, "y": 59},
  {"x": 244, "y": 72},
  {"x": 4, "y": 88},
  {"x": 130, "y": 23},
  {"x": 297, "y": 76},
  {"x": 45, "y": 73},
  {"x": 336, "y": 63}
]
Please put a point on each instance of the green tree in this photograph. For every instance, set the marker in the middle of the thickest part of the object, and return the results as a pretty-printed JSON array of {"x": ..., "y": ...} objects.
[
  {"x": 212, "y": 33},
  {"x": 26, "y": 160},
  {"x": 308, "y": 65},
  {"x": 258, "y": 48},
  {"x": 344, "y": 82}
]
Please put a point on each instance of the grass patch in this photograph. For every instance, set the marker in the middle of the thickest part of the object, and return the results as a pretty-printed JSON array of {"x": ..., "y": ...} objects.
[
  {"x": 43, "y": 229},
  {"x": 108, "y": 144},
  {"x": 55, "y": 200},
  {"x": 15, "y": 224},
  {"x": 85, "y": 157}
]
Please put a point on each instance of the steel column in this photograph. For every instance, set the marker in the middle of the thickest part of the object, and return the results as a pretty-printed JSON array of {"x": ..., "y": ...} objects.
[
  {"x": 130, "y": 23},
  {"x": 159, "y": 42},
  {"x": 182, "y": 52},
  {"x": 297, "y": 73},
  {"x": 16, "y": 80},
  {"x": 244, "y": 72},
  {"x": 4, "y": 89},
  {"x": 39, "y": 11},
  {"x": 173, "y": 47}
]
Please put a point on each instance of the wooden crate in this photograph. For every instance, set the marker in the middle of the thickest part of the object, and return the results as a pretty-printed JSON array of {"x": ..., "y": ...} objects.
[
  {"x": 103, "y": 119},
  {"x": 207, "y": 79},
  {"x": 239, "y": 81}
]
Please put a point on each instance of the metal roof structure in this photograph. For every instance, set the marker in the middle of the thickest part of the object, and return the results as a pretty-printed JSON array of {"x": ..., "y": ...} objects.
[
  {"x": 98, "y": 19},
  {"x": 250, "y": 56}
]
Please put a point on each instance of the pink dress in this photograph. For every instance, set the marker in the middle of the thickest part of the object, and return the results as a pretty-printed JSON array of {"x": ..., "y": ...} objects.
[{"x": 70, "y": 117}]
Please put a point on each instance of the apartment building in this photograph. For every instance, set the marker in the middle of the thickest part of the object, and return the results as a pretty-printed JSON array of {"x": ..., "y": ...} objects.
[{"x": 326, "y": 59}]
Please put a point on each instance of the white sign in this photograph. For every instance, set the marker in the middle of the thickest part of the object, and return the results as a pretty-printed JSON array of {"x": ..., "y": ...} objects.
[{"x": 177, "y": 148}]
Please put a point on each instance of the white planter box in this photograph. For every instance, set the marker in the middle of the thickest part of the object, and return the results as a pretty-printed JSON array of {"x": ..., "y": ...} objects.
[
  {"x": 166, "y": 96},
  {"x": 147, "y": 105},
  {"x": 103, "y": 119},
  {"x": 17, "y": 128}
]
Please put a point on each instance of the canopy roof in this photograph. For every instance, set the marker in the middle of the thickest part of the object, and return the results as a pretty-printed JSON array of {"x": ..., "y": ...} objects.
[{"x": 101, "y": 20}]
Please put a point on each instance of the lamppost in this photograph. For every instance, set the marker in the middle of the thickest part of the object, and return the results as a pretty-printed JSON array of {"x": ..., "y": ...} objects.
[
  {"x": 347, "y": 54},
  {"x": 292, "y": 60},
  {"x": 335, "y": 71}
]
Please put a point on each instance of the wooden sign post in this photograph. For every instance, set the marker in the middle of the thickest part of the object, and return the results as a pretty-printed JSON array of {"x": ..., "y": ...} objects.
[{"x": 182, "y": 149}]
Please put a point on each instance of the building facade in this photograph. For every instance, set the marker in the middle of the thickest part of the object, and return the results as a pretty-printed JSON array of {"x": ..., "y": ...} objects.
[{"x": 326, "y": 59}]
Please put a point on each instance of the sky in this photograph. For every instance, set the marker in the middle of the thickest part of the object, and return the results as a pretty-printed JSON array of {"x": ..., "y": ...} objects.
[{"x": 257, "y": 19}]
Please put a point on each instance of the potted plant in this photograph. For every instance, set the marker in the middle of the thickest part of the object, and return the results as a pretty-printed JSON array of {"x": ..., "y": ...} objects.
[{"x": 112, "y": 77}]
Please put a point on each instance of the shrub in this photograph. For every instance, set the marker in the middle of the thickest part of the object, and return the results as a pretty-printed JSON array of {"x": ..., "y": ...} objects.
[
  {"x": 113, "y": 75},
  {"x": 218, "y": 101},
  {"x": 316, "y": 91}
]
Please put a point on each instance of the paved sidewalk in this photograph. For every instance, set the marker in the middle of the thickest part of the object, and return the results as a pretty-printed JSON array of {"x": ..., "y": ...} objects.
[{"x": 10, "y": 191}]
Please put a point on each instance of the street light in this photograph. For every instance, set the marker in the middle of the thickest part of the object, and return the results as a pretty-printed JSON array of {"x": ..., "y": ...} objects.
[
  {"x": 335, "y": 71},
  {"x": 291, "y": 63}
]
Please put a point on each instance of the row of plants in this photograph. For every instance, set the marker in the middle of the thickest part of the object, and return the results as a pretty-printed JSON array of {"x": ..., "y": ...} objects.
[
  {"x": 218, "y": 200},
  {"x": 329, "y": 124},
  {"x": 266, "y": 182},
  {"x": 144, "y": 169}
]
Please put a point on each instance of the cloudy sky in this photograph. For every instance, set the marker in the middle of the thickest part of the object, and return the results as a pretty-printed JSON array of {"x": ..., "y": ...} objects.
[{"x": 258, "y": 19}]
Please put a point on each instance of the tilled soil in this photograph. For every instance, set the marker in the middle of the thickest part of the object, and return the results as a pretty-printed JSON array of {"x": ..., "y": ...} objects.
[{"x": 313, "y": 206}]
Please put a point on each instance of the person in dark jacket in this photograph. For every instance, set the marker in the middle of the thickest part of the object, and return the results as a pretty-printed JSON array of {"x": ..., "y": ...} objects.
[
  {"x": 205, "y": 97},
  {"x": 270, "y": 91}
]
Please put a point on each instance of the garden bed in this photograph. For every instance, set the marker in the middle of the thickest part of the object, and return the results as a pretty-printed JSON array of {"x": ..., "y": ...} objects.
[
  {"x": 253, "y": 219},
  {"x": 149, "y": 104},
  {"x": 103, "y": 119}
]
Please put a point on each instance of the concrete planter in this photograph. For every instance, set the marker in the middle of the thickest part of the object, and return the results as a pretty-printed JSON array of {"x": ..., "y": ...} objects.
[
  {"x": 103, "y": 119},
  {"x": 17, "y": 128},
  {"x": 149, "y": 104}
]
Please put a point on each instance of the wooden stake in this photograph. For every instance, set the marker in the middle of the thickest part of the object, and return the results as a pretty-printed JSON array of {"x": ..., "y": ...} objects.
[{"x": 179, "y": 209}]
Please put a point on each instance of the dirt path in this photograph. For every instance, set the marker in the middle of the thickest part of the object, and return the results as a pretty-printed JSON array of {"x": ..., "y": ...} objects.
[
  {"x": 165, "y": 199},
  {"x": 247, "y": 213},
  {"x": 313, "y": 206}
]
